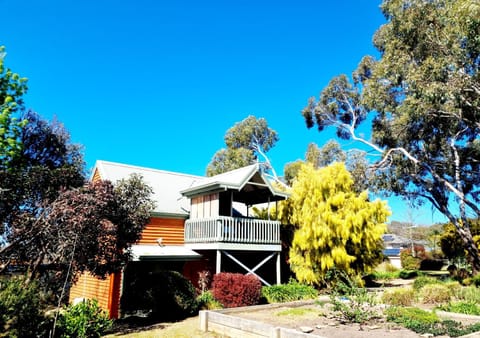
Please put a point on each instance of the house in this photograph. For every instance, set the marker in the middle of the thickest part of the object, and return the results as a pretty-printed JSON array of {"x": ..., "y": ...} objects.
[{"x": 196, "y": 226}]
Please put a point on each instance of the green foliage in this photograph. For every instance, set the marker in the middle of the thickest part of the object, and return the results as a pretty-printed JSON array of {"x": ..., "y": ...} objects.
[
  {"x": 468, "y": 308},
  {"x": 12, "y": 89},
  {"x": 385, "y": 275},
  {"x": 435, "y": 294},
  {"x": 425, "y": 322},
  {"x": 206, "y": 301},
  {"x": 415, "y": 319},
  {"x": 411, "y": 261},
  {"x": 421, "y": 281},
  {"x": 354, "y": 304},
  {"x": 399, "y": 297},
  {"x": 422, "y": 104},
  {"x": 21, "y": 308},
  {"x": 468, "y": 294},
  {"x": 334, "y": 226},
  {"x": 85, "y": 319},
  {"x": 245, "y": 142},
  {"x": 476, "y": 280},
  {"x": 408, "y": 274},
  {"x": 288, "y": 292}
]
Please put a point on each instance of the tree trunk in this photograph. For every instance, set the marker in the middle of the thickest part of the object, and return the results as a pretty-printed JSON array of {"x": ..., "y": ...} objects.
[{"x": 472, "y": 250}]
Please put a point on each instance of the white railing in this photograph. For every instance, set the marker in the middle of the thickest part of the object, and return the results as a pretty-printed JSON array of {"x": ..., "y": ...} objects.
[{"x": 232, "y": 230}]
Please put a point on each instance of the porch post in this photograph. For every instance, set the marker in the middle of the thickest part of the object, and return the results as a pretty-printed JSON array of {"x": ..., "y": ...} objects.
[
  {"x": 219, "y": 262},
  {"x": 279, "y": 280}
]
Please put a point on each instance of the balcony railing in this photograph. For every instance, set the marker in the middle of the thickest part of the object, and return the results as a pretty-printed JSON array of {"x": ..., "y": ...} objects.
[{"x": 232, "y": 230}]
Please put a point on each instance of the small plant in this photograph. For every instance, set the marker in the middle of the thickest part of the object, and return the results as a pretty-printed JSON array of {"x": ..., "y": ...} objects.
[
  {"x": 415, "y": 319},
  {"x": 425, "y": 322},
  {"x": 20, "y": 308},
  {"x": 399, "y": 297},
  {"x": 353, "y": 303},
  {"x": 85, "y": 319},
  {"x": 421, "y": 281},
  {"x": 235, "y": 289},
  {"x": 468, "y": 294},
  {"x": 468, "y": 308},
  {"x": 435, "y": 294},
  {"x": 408, "y": 274},
  {"x": 206, "y": 301},
  {"x": 288, "y": 292}
]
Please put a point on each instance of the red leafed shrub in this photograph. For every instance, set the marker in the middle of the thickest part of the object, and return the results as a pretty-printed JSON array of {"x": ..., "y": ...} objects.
[{"x": 235, "y": 289}]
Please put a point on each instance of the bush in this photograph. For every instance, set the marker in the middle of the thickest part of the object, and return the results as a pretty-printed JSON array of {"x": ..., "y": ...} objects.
[
  {"x": 85, "y": 319},
  {"x": 468, "y": 294},
  {"x": 288, "y": 292},
  {"x": 411, "y": 261},
  {"x": 235, "y": 289},
  {"x": 476, "y": 280},
  {"x": 21, "y": 308},
  {"x": 422, "y": 322},
  {"x": 421, "y": 281},
  {"x": 408, "y": 274},
  {"x": 435, "y": 294},
  {"x": 165, "y": 295},
  {"x": 399, "y": 297},
  {"x": 468, "y": 308},
  {"x": 353, "y": 303},
  {"x": 206, "y": 301},
  {"x": 415, "y": 319}
]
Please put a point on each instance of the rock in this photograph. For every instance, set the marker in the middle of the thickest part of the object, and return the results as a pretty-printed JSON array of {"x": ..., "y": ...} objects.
[
  {"x": 306, "y": 329},
  {"x": 373, "y": 327},
  {"x": 426, "y": 335},
  {"x": 321, "y": 326}
]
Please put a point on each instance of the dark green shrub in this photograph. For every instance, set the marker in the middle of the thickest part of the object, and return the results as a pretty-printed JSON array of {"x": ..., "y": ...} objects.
[
  {"x": 206, "y": 301},
  {"x": 21, "y": 308},
  {"x": 399, "y": 297},
  {"x": 85, "y": 319},
  {"x": 235, "y": 289},
  {"x": 288, "y": 292},
  {"x": 408, "y": 274},
  {"x": 164, "y": 295},
  {"x": 421, "y": 281}
]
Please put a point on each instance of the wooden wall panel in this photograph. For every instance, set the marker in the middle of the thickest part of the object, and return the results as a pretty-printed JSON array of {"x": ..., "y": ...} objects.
[
  {"x": 105, "y": 291},
  {"x": 169, "y": 229},
  {"x": 96, "y": 176}
]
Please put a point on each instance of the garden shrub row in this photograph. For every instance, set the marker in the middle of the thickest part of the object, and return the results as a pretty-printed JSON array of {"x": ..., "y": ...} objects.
[{"x": 288, "y": 292}]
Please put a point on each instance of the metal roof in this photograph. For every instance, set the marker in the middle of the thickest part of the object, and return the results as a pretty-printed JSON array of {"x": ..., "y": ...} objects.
[{"x": 166, "y": 185}]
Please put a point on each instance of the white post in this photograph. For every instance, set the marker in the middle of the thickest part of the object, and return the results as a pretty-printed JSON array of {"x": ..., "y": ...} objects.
[
  {"x": 279, "y": 280},
  {"x": 219, "y": 261}
]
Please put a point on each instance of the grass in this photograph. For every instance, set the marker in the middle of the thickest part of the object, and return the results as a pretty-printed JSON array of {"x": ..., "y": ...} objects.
[{"x": 186, "y": 328}]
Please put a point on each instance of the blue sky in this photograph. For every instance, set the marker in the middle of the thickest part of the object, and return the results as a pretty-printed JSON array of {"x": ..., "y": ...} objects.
[{"x": 157, "y": 83}]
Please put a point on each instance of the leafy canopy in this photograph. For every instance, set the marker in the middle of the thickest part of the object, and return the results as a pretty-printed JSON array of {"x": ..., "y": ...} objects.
[
  {"x": 422, "y": 98},
  {"x": 334, "y": 226},
  {"x": 245, "y": 141}
]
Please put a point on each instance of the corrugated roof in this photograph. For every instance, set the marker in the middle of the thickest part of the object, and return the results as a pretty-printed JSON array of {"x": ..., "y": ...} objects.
[{"x": 166, "y": 185}]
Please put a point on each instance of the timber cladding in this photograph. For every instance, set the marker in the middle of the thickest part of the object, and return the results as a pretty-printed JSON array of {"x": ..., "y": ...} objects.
[
  {"x": 171, "y": 230},
  {"x": 105, "y": 291}
]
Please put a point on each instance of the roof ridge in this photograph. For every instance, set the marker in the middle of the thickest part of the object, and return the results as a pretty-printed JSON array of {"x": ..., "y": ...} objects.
[{"x": 131, "y": 166}]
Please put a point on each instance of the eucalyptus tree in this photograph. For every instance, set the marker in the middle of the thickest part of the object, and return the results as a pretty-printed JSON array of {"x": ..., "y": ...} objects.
[
  {"x": 421, "y": 99},
  {"x": 246, "y": 142}
]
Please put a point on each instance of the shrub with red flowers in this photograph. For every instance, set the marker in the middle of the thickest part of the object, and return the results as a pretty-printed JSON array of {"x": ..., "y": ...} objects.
[
  {"x": 411, "y": 261},
  {"x": 235, "y": 289}
]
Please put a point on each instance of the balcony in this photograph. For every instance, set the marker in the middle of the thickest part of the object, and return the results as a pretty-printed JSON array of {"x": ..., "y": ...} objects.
[{"x": 224, "y": 232}]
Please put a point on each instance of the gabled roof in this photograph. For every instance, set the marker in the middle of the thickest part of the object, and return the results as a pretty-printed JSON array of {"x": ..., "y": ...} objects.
[
  {"x": 249, "y": 184},
  {"x": 166, "y": 185}
]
